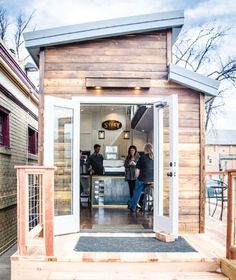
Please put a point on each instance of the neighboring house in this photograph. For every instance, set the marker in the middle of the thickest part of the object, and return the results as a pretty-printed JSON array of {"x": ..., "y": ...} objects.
[
  {"x": 220, "y": 150},
  {"x": 18, "y": 137}
]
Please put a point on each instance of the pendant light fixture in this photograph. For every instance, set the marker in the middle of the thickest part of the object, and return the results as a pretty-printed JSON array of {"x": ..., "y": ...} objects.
[
  {"x": 126, "y": 132},
  {"x": 101, "y": 132}
]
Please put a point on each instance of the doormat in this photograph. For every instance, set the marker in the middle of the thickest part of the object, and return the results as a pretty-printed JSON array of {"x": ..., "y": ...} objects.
[{"x": 131, "y": 244}]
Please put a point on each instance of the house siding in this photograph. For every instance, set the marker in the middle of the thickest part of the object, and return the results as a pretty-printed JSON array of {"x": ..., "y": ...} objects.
[{"x": 16, "y": 155}]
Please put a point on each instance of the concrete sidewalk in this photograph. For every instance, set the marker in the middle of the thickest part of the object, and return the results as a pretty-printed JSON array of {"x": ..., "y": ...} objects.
[{"x": 5, "y": 264}]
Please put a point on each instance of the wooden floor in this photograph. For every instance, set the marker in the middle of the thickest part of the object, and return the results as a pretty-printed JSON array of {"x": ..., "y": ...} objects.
[{"x": 98, "y": 217}]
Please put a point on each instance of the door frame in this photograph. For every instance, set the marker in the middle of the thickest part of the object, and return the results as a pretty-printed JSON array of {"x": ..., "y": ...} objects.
[
  {"x": 157, "y": 211},
  {"x": 170, "y": 223},
  {"x": 75, "y": 103}
]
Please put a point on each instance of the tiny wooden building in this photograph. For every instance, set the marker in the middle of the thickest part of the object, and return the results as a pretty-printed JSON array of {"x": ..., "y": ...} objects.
[{"x": 125, "y": 61}]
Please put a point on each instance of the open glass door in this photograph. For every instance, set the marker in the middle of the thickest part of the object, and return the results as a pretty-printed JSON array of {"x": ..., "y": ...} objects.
[
  {"x": 61, "y": 149},
  {"x": 166, "y": 165}
]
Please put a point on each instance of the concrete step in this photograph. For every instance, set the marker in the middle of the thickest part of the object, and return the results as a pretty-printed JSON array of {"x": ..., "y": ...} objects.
[{"x": 92, "y": 275}]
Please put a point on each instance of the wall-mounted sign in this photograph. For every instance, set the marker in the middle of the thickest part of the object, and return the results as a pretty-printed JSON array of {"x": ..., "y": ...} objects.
[{"x": 111, "y": 125}]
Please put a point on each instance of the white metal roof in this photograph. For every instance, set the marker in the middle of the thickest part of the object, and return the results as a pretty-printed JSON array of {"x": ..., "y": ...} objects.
[
  {"x": 193, "y": 80},
  {"x": 103, "y": 29}
]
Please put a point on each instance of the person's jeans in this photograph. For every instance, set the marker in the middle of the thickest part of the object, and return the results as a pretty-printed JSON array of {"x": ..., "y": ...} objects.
[
  {"x": 139, "y": 186},
  {"x": 131, "y": 187}
]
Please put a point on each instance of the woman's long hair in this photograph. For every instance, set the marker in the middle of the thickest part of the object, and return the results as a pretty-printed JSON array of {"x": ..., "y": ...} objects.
[
  {"x": 148, "y": 149},
  {"x": 132, "y": 147}
]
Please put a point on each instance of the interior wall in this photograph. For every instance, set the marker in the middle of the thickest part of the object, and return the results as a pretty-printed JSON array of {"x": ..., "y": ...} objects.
[
  {"x": 150, "y": 137},
  {"x": 91, "y": 122},
  {"x": 139, "y": 139}
]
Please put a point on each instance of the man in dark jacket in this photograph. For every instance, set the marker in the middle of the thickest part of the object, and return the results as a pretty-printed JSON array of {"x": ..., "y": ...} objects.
[{"x": 95, "y": 161}]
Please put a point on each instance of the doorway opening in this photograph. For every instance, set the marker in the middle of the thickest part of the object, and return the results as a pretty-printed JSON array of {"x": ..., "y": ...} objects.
[
  {"x": 103, "y": 198},
  {"x": 62, "y": 150}
]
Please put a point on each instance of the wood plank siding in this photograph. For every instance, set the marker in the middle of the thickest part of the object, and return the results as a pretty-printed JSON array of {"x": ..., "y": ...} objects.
[{"x": 141, "y": 56}]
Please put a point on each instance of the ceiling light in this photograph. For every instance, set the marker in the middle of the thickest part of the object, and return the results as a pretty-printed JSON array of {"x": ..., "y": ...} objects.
[
  {"x": 137, "y": 87},
  {"x": 97, "y": 87},
  {"x": 126, "y": 134}
]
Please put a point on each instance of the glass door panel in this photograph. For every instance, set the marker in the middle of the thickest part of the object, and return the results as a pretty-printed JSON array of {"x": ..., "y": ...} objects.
[
  {"x": 63, "y": 161},
  {"x": 166, "y": 157}
]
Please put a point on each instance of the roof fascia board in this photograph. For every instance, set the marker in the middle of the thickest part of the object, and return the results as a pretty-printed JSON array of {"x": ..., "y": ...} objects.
[
  {"x": 133, "y": 23},
  {"x": 102, "y": 29},
  {"x": 193, "y": 80},
  {"x": 93, "y": 34}
]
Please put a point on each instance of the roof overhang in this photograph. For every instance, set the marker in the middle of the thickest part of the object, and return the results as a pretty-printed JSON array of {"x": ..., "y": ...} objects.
[
  {"x": 193, "y": 80},
  {"x": 103, "y": 29}
]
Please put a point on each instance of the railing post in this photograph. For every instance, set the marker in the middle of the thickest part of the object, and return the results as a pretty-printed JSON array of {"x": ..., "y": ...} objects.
[
  {"x": 231, "y": 217},
  {"x": 35, "y": 208},
  {"x": 49, "y": 212},
  {"x": 21, "y": 211}
]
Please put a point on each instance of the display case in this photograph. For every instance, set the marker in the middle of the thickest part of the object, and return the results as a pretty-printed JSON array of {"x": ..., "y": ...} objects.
[{"x": 109, "y": 190}]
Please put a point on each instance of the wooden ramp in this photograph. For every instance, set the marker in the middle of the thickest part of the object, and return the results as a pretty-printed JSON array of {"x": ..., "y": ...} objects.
[{"x": 69, "y": 264}]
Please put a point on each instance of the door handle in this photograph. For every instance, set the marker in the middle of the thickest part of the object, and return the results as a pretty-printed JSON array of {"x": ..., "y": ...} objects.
[{"x": 169, "y": 174}]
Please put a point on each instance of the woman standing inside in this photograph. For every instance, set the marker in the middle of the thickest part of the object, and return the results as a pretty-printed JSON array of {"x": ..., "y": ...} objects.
[
  {"x": 144, "y": 173},
  {"x": 130, "y": 167}
]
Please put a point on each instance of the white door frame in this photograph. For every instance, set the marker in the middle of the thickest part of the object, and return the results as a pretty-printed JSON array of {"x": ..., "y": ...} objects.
[
  {"x": 160, "y": 222},
  {"x": 48, "y": 150},
  {"x": 168, "y": 224}
]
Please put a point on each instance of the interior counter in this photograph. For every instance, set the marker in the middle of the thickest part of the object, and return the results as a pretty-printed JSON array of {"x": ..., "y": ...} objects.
[{"x": 109, "y": 190}]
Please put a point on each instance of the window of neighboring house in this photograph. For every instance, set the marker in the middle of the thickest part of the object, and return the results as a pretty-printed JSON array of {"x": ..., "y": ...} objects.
[
  {"x": 4, "y": 128},
  {"x": 32, "y": 141}
]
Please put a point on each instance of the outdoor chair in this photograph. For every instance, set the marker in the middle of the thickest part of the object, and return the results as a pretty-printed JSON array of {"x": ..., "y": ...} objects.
[{"x": 216, "y": 190}]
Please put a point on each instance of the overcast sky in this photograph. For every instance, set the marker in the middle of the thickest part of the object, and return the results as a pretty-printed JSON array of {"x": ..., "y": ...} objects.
[{"x": 53, "y": 13}]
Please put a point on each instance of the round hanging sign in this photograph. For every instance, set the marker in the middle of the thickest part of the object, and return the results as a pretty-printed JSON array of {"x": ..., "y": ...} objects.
[{"x": 111, "y": 125}]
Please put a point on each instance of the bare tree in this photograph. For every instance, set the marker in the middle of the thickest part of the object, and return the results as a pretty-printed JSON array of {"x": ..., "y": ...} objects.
[
  {"x": 4, "y": 23},
  {"x": 22, "y": 23},
  {"x": 198, "y": 51}
]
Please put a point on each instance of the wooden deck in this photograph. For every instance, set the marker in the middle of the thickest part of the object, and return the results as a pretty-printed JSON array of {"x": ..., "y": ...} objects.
[{"x": 69, "y": 264}]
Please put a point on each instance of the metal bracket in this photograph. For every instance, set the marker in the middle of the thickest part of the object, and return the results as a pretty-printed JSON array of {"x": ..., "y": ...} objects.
[{"x": 161, "y": 104}]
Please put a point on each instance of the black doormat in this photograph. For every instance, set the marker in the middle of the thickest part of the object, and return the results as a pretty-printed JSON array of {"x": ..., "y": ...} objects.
[{"x": 131, "y": 244}]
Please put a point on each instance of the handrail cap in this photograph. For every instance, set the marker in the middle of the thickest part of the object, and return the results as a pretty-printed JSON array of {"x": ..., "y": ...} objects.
[{"x": 34, "y": 167}]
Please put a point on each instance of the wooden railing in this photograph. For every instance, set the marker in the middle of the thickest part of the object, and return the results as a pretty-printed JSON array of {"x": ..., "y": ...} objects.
[
  {"x": 231, "y": 216},
  {"x": 35, "y": 208}
]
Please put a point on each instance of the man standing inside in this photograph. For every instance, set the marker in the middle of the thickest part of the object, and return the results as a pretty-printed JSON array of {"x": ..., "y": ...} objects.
[{"x": 96, "y": 161}]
